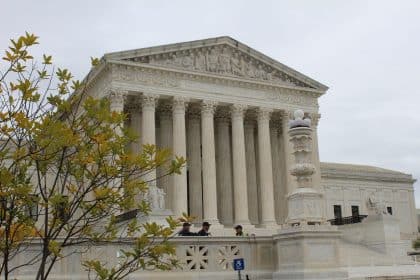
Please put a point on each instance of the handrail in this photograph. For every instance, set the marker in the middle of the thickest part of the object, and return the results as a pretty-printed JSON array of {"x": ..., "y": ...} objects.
[{"x": 347, "y": 220}]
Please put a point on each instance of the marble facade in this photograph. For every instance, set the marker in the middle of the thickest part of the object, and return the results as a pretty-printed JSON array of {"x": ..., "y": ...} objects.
[{"x": 227, "y": 109}]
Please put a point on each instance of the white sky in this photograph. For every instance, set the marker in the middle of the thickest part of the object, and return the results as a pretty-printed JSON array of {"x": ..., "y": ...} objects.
[{"x": 367, "y": 52}]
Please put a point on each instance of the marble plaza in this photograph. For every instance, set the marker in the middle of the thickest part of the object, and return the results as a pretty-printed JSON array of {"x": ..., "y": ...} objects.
[{"x": 247, "y": 125}]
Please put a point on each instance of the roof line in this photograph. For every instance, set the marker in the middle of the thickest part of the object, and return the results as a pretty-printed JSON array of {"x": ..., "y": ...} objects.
[{"x": 216, "y": 41}]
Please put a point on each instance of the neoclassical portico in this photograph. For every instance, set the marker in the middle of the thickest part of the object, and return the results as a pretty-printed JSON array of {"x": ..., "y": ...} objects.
[
  {"x": 233, "y": 152},
  {"x": 226, "y": 108}
]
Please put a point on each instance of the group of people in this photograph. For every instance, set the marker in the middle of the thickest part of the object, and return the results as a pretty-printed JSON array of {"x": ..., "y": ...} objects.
[{"x": 204, "y": 231}]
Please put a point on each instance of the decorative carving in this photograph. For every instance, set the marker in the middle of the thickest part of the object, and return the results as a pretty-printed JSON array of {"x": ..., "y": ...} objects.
[
  {"x": 238, "y": 110},
  {"x": 195, "y": 258},
  {"x": 315, "y": 119},
  {"x": 263, "y": 114},
  {"x": 222, "y": 60},
  {"x": 144, "y": 76},
  {"x": 149, "y": 101},
  {"x": 179, "y": 104},
  {"x": 376, "y": 206},
  {"x": 226, "y": 255},
  {"x": 208, "y": 107},
  {"x": 116, "y": 98}
]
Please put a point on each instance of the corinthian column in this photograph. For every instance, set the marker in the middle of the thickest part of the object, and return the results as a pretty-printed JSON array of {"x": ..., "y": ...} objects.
[
  {"x": 195, "y": 192},
  {"x": 180, "y": 192},
  {"x": 265, "y": 168},
  {"x": 251, "y": 172},
  {"x": 209, "y": 162},
  {"x": 165, "y": 142},
  {"x": 148, "y": 127},
  {"x": 224, "y": 168},
  {"x": 277, "y": 173},
  {"x": 239, "y": 165},
  {"x": 116, "y": 101}
]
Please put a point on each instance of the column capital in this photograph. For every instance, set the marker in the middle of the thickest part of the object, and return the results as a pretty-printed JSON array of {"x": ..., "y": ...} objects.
[
  {"x": 179, "y": 103},
  {"x": 263, "y": 114},
  {"x": 116, "y": 98},
  {"x": 238, "y": 110},
  {"x": 208, "y": 107},
  {"x": 149, "y": 100}
]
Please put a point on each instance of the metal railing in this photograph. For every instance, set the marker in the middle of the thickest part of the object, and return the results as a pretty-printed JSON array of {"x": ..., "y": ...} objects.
[{"x": 347, "y": 220}]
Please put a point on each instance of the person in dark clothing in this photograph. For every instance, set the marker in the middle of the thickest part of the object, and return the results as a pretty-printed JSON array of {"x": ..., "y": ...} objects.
[
  {"x": 185, "y": 231},
  {"x": 239, "y": 231},
  {"x": 204, "y": 229}
]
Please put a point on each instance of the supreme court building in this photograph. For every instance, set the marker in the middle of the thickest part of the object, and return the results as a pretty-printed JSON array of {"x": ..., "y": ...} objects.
[{"x": 226, "y": 108}]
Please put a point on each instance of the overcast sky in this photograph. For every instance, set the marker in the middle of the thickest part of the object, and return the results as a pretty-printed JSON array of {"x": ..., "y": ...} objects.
[{"x": 367, "y": 52}]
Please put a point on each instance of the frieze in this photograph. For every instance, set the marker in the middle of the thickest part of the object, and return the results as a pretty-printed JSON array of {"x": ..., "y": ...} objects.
[
  {"x": 154, "y": 78},
  {"x": 221, "y": 60},
  {"x": 165, "y": 78}
]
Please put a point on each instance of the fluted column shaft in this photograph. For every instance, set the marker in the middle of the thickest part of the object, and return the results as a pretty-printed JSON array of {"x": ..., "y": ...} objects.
[
  {"x": 277, "y": 173},
  {"x": 209, "y": 162},
  {"x": 224, "y": 170},
  {"x": 194, "y": 165},
  {"x": 148, "y": 135},
  {"x": 180, "y": 193},
  {"x": 166, "y": 142},
  {"x": 251, "y": 169},
  {"x": 239, "y": 165},
  {"x": 265, "y": 168},
  {"x": 135, "y": 125}
]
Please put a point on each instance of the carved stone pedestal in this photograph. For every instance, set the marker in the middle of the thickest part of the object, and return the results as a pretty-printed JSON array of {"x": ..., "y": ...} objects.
[
  {"x": 308, "y": 252},
  {"x": 305, "y": 206}
]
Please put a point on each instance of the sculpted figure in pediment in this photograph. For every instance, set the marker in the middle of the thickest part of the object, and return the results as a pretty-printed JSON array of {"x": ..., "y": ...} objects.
[
  {"x": 188, "y": 61},
  {"x": 236, "y": 63},
  {"x": 212, "y": 60},
  {"x": 200, "y": 61},
  {"x": 224, "y": 62}
]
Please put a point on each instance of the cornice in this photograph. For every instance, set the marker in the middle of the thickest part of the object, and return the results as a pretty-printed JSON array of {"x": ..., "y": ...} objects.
[{"x": 394, "y": 177}]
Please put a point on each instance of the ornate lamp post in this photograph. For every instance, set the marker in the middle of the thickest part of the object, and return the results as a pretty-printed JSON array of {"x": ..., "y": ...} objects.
[{"x": 305, "y": 203}]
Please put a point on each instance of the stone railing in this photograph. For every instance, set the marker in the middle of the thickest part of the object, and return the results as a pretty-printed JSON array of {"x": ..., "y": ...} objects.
[{"x": 200, "y": 258}]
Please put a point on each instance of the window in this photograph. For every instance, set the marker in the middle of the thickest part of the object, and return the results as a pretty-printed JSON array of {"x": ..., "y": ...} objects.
[
  {"x": 355, "y": 211},
  {"x": 389, "y": 210},
  {"x": 337, "y": 212}
]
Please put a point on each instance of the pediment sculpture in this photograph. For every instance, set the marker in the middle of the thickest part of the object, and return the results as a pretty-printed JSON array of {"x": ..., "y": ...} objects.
[{"x": 223, "y": 60}]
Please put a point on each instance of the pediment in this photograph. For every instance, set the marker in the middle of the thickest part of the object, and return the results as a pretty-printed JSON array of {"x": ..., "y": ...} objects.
[{"x": 220, "y": 56}]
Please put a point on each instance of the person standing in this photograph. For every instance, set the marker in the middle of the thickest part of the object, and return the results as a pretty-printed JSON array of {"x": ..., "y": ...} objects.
[
  {"x": 204, "y": 229},
  {"x": 185, "y": 231},
  {"x": 239, "y": 230}
]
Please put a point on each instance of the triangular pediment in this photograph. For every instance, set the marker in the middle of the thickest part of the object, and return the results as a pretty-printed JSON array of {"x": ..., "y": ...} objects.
[{"x": 219, "y": 56}]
